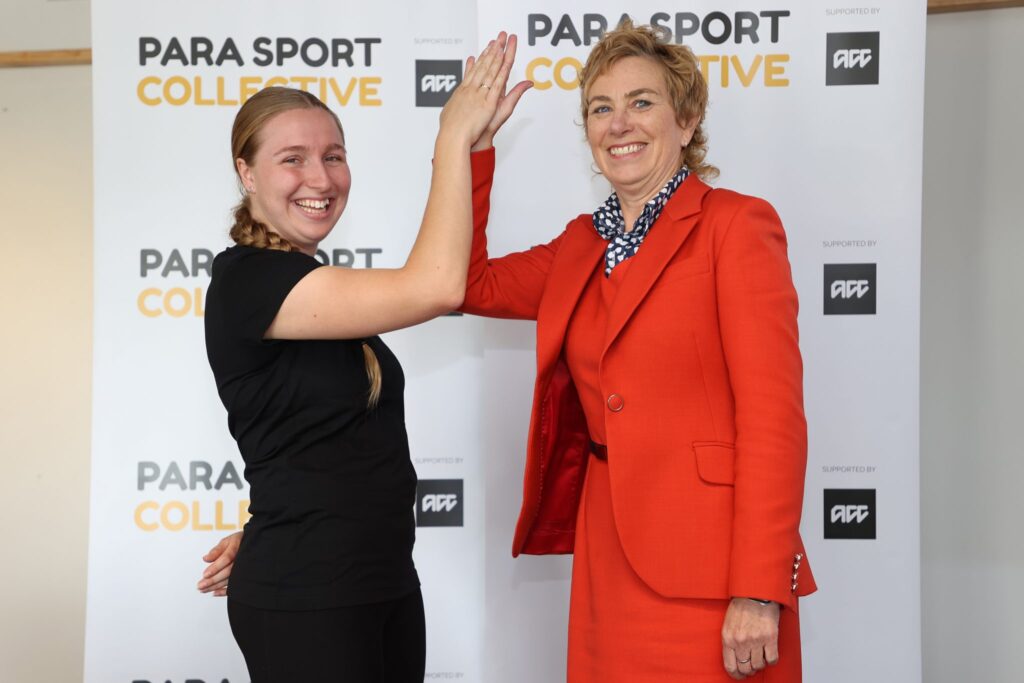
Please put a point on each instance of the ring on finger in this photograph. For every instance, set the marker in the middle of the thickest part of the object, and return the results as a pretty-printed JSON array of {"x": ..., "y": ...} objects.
[
  {"x": 485, "y": 86},
  {"x": 743, "y": 661}
]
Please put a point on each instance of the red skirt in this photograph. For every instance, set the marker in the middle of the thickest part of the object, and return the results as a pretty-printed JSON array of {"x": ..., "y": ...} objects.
[{"x": 621, "y": 631}]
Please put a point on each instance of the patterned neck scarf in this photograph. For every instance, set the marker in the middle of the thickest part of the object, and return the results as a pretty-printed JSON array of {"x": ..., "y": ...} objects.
[{"x": 611, "y": 225}]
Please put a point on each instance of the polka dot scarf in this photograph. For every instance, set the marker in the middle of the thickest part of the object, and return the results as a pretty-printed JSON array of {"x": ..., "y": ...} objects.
[{"x": 611, "y": 225}]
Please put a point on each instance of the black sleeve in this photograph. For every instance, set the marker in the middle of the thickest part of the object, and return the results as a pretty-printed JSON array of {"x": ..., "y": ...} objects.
[{"x": 253, "y": 287}]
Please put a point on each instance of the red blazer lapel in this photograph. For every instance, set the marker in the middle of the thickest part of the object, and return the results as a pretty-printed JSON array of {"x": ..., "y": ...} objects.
[
  {"x": 677, "y": 220},
  {"x": 573, "y": 266}
]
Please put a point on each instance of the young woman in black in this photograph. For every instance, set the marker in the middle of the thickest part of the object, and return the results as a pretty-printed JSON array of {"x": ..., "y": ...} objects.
[{"x": 323, "y": 586}]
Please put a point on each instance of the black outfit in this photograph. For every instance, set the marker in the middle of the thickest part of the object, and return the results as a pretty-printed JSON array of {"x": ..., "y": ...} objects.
[
  {"x": 332, "y": 487},
  {"x": 379, "y": 642}
]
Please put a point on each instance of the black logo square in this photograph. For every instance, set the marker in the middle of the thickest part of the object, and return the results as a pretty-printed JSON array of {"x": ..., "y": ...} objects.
[
  {"x": 435, "y": 81},
  {"x": 850, "y": 513},
  {"x": 439, "y": 502},
  {"x": 851, "y": 58},
  {"x": 850, "y": 288}
]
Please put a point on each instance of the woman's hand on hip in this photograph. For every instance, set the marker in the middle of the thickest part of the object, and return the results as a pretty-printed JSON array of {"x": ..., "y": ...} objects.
[
  {"x": 750, "y": 637},
  {"x": 221, "y": 558}
]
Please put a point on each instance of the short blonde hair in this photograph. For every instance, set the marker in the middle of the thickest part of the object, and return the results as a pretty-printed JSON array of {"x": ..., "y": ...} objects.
[{"x": 683, "y": 78}]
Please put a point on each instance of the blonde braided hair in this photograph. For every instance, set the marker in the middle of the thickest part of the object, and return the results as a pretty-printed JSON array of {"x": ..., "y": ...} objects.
[{"x": 249, "y": 232}]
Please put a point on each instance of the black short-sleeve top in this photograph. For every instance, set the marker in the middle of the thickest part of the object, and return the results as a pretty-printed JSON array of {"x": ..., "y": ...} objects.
[{"x": 331, "y": 484}]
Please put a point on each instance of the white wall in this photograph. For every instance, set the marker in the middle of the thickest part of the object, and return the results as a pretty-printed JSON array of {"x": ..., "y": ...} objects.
[
  {"x": 44, "y": 25},
  {"x": 45, "y": 366},
  {"x": 972, "y": 367},
  {"x": 972, "y": 355}
]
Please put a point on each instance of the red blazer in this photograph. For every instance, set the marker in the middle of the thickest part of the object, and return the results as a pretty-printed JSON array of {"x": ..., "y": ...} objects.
[{"x": 707, "y": 443}]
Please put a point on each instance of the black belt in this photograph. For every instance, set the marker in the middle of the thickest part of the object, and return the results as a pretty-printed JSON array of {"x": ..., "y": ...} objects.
[{"x": 600, "y": 451}]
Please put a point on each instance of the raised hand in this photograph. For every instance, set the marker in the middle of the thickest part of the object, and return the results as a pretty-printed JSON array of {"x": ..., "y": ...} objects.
[
  {"x": 473, "y": 107},
  {"x": 507, "y": 101}
]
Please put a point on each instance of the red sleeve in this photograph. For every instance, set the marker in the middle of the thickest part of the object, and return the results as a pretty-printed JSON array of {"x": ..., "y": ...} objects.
[
  {"x": 510, "y": 286},
  {"x": 757, "y": 307}
]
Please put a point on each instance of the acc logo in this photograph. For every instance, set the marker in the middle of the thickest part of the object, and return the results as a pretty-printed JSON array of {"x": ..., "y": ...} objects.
[
  {"x": 438, "y": 83},
  {"x": 851, "y": 59},
  {"x": 439, "y": 502},
  {"x": 435, "y": 81},
  {"x": 850, "y": 288},
  {"x": 850, "y": 513}
]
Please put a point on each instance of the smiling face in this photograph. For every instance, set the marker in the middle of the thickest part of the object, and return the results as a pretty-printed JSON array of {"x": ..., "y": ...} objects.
[
  {"x": 299, "y": 179},
  {"x": 632, "y": 128}
]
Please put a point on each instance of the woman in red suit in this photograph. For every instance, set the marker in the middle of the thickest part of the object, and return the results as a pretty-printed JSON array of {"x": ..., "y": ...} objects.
[{"x": 667, "y": 444}]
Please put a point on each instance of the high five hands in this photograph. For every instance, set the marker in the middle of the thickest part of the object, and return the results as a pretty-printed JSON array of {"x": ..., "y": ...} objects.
[{"x": 482, "y": 102}]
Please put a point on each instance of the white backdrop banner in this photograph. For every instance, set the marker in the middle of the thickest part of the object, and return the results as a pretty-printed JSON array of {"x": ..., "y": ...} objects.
[{"x": 819, "y": 110}]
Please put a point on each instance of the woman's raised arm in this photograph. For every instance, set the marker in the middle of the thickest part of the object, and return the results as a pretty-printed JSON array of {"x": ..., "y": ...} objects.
[{"x": 341, "y": 303}]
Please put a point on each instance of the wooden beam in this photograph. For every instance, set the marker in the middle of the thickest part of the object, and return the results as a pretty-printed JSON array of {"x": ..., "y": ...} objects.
[
  {"x": 45, "y": 58},
  {"x": 940, "y": 6},
  {"x": 77, "y": 57}
]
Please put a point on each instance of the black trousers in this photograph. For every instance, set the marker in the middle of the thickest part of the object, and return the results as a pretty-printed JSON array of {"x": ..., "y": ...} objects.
[{"x": 382, "y": 642}]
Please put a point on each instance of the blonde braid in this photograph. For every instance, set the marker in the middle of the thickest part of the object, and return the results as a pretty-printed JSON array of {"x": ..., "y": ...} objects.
[
  {"x": 373, "y": 373},
  {"x": 249, "y": 232}
]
